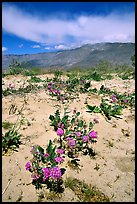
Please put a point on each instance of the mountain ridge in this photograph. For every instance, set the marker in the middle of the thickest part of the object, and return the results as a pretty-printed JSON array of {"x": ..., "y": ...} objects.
[{"x": 88, "y": 55}]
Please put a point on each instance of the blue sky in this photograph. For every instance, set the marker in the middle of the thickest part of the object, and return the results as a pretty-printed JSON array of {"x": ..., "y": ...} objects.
[{"x": 32, "y": 27}]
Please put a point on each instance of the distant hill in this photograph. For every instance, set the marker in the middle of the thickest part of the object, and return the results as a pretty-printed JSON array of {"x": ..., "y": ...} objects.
[{"x": 86, "y": 56}]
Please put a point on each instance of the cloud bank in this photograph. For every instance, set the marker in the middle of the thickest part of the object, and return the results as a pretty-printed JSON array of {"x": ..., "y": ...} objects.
[
  {"x": 4, "y": 49},
  {"x": 67, "y": 32}
]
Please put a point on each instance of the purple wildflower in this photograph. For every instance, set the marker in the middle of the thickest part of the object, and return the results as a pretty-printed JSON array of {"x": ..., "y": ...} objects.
[
  {"x": 85, "y": 138},
  {"x": 93, "y": 134},
  {"x": 60, "y": 151},
  {"x": 78, "y": 134},
  {"x": 71, "y": 143},
  {"x": 125, "y": 100},
  {"x": 28, "y": 166},
  {"x": 59, "y": 159},
  {"x": 50, "y": 90},
  {"x": 114, "y": 99},
  {"x": 35, "y": 176},
  {"x": 68, "y": 138},
  {"x": 55, "y": 173},
  {"x": 49, "y": 86},
  {"x": 45, "y": 155},
  {"x": 58, "y": 91},
  {"x": 62, "y": 126},
  {"x": 59, "y": 124},
  {"x": 46, "y": 172},
  {"x": 55, "y": 91},
  {"x": 60, "y": 132}
]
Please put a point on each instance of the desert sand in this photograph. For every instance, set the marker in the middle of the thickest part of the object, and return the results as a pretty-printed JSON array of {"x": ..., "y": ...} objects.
[{"x": 115, "y": 151}]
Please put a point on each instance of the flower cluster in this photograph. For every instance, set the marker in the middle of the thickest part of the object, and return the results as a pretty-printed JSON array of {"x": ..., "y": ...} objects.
[
  {"x": 55, "y": 173},
  {"x": 93, "y": 134},
  {"x": 46, "y": 172},
  {"x": 52, "y": 89},
  {"x": 59, "y": 159},
  {"x": 114, "y": 98},
  {"x": 60, "y": 151},
  {"x": 28, "y": 166},
  {"x": 73, "y": 137},
  {"x": 44, "y": 166},
  {"x": 60, "y": 132}
]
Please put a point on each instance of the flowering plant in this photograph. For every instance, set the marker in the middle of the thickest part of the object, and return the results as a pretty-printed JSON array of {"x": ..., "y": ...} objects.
[
  {"x": 74, "y": 134},
  {"x": 44, "y": 167}
]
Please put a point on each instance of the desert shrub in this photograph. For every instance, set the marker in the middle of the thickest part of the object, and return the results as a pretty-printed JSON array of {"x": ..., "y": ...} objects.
[
  {"x": 11, "y": 140},
  {"x": 35, "y": 79}
]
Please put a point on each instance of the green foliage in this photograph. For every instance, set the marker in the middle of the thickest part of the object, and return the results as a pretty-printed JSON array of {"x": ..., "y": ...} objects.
[
  {"x": 85, "y": 192},
  {"x": 110, "y": 110},
  {"x": 15, "y": 68},
  {"x": 11, "y": 140},
  {"x": 96, "y": 76},
  {"x": 85, "y": 88},
  {"x": 35, "y": 79},
  {"x": 108, "y": 76},
  {"x": 55, "y": 120},
  {"x": 133, "y": 60},
  {"x": 104, "y": 66},
  {"x": 51, "y": 151},
  {"x": 103, "y": 90},
  {"x": 22, "y": 90},
  {"x": 94, "y": 109},
  {"x": 72, "y": 126},
  {"x": 94, "y": 90},
  {"x": 127, "y": 75},
  {"x": 39, "y": 161},
  {"x": 58, "y": 73},
  {"x": 7, "y": 125}
]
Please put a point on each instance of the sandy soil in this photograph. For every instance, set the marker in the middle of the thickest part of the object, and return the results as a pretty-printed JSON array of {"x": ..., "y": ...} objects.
[{"x": 115, "y": 157}]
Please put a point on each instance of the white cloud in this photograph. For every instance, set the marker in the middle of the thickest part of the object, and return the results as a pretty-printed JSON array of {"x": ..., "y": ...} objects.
[
  {"x": 61, "y": 47},
  {"x": 47, "y": 48},
  {"x": 35, "y": 46},
  {"x": 4, "y": 49},
  {"x": 62, "y": 31},
  {"x": 21, "y": 45}
]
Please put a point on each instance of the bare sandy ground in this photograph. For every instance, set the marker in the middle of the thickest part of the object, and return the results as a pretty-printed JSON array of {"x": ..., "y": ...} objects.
[{"x": 115, "y": 152}]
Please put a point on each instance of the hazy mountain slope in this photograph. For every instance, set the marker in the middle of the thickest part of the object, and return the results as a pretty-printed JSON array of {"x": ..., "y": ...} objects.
[{"x": 85, "y": 56}]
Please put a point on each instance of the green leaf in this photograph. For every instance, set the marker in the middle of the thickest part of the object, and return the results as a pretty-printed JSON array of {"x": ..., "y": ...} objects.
[
  {"x": 87, "y": 85},
  {"x": 78, "y": 113},
  {"x": 80, "y": 123},
  {"x": 72, "y": 121},
  {"x": 53, "y": 156},
  {"x": 51, "y": 117},
  {"x": 90, "y": 125},
  {"x": 41, "y": 150},
  {"x": 96, "y": 110},
  {"x": 49, "y": 148},
  {"x": 90, "y": 108},
  {"x": 64, "y": 119}
]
